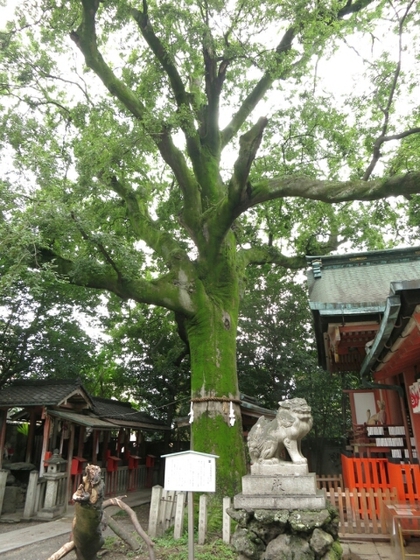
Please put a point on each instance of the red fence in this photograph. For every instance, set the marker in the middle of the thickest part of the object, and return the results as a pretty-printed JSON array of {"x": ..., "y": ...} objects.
[
  {"x": 380, "y": 474},
  {"x": 406, "y": 479}
]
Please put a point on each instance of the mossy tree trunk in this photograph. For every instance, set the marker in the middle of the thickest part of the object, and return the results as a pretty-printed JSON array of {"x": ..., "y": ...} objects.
[{"x": 214, "y": 382}]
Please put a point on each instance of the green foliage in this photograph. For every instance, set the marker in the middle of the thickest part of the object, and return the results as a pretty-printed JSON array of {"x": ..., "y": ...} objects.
[
  {"x": 275, "y": 341},
  {"x": 40, "y": 334},
  {"x": 144, "y": 352},
  {"x": 169, "y": 549},
  {"x": 23, "y": 429}
]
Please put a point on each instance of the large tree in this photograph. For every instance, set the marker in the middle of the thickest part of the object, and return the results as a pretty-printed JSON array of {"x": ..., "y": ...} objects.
[{"x": 144, "y": 138}]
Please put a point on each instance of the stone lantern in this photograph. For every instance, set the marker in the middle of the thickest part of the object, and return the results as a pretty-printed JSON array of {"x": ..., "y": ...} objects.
[
  {"x": 56, "y": 464},
  {"x": 55, "y": 493}
]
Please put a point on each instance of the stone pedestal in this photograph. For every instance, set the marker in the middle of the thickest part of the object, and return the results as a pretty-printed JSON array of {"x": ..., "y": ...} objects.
[
  {"x": 280, "y": 502},
  {"x": 51, "y": 508},
  {"x": 284, "y": 516},
  {"x": 280, "y": 492},
  {"x": 282, "y": 468}
]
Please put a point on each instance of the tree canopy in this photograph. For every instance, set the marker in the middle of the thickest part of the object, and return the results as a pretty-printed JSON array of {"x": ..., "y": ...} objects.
[{"x": 158, "y": 150}]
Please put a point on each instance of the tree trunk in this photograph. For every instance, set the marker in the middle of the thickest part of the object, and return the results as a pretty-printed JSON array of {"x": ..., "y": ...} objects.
[
  {"x": 214, "y": 381},
  {"x": 87, "y": 525}
]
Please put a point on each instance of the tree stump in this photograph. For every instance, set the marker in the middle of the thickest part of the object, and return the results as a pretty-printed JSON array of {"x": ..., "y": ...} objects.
[{"x": 87, "y": 524}]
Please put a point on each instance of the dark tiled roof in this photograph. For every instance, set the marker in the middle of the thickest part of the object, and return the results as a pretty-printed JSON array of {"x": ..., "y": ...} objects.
[
  {"x": 362, "y": 278},
  {"x": 89, "y": 420},
  {"x": 250, "y": 405},
  {"x": 109, "y": 408},
  {"x": 43, "y": 393}
]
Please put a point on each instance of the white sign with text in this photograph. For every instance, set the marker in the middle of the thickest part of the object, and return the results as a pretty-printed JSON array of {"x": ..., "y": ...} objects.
[{"x": 190, "y": 471}]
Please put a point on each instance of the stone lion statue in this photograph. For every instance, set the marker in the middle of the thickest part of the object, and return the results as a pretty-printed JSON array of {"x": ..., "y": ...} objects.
[{"x": 267, "y": 439}]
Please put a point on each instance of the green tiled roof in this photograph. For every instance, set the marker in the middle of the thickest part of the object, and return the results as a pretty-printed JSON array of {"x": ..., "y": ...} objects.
[{"x": 361, "y": 279}]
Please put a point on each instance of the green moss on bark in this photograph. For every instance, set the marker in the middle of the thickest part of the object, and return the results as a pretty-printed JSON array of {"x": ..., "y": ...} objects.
[{"x": 214, "y": 435}]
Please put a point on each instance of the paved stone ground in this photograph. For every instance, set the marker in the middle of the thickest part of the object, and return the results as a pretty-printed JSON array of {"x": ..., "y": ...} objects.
[{"x": 368, "y": 550}]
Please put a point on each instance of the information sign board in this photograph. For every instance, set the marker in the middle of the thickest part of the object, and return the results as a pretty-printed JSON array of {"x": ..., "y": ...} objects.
[{"x": 190, "y": 471}]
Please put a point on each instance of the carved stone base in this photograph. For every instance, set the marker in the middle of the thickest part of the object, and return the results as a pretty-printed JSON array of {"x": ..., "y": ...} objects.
[
  {"x": 280, "y": 492},
  {"x": 279, "y": 485},
  {"x": 289, "y": 501},
  {"x": 284, "y": 468}
]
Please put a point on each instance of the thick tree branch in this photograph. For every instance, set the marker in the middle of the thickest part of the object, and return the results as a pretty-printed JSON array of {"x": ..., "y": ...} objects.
[
  {"x": 209, "y": 130},
  {"x": 168, "y": 291},
  {"x": 265, "y": 83},
  {"x": 224, "y": 216},
  {"x": 248, "y": 147},
  {"x": 186, "y": 180},
  {"x": 215, "y": 73},
  {"x": 329, "y": 191},
  {"x": 162, "y": 243},
  {"x": 271, "y": 255},
  {"x": 85, "y": 39},
  {"x": 162, "y": 55}
]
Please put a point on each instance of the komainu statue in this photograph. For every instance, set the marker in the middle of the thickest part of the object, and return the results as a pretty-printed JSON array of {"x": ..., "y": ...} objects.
[{"x": 267, "y": 439}]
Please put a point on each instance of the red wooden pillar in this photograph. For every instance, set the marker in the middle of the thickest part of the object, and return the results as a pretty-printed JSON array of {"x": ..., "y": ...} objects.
[
  {"x": 69, "y": 461},
  {"x": 45, "y": 439}
]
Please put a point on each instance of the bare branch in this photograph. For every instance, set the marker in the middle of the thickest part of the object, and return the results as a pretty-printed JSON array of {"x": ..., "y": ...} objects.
[
  {"x": 99, "y": 245},
  {"x": 61, "y": 552},
  {"x": 271, "y": 255},
  {"x": 132, "y": 514},
  {"x": 386, "y": 110}
]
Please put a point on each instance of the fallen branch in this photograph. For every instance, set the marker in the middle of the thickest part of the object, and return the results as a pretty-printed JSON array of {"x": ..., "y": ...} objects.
[
  {"x": 65, "y": 549},
  {"x": 121, "y": 532},
  {"x": 149, "y": 543}
]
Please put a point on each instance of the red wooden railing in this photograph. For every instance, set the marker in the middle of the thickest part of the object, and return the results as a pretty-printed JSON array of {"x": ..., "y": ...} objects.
[
  {"x": 406, "y": 479},
  {"x": 380, "y": 474}
]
